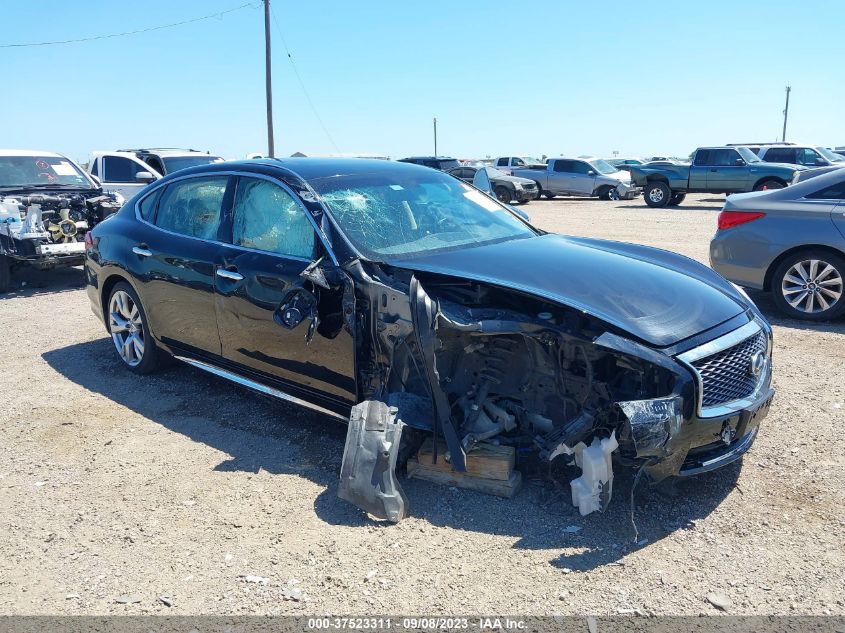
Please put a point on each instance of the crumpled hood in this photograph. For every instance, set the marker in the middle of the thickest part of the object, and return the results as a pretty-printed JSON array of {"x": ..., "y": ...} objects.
[{"x": 658, "y": 297}]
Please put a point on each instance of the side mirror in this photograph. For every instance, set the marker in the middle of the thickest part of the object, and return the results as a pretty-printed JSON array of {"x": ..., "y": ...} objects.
[
  {"x": 739, "y": 162},
  {"x": 481, "y": 180},
  {"x": 144, "y": 176},
  {"x": 591, "y": 173},
  {"x": 299, "y": 305}
]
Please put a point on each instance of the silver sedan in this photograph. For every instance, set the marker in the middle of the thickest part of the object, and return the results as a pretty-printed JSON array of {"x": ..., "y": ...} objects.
[{"x": 789, "y": 241}]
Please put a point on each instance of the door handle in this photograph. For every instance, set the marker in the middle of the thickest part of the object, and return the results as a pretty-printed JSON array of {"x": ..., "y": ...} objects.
[
  {"x": 142, "y": 251},
  {"x": 714, "y": 169},
  {"x": 229, "y": 274}
]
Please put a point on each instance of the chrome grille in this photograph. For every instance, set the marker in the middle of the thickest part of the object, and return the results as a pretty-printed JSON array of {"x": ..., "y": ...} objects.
[{"x": 726, "y": 375}]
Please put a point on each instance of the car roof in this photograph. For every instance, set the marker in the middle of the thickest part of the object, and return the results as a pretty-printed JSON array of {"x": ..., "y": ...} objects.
[
  {"x": 428, "y": 158},
  {"x": 305, "y": 168},
  {"x": 29, "y": 152}
]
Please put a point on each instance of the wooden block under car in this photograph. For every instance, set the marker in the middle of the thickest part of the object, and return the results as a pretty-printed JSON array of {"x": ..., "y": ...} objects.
[{"x": 489, "y": 469}]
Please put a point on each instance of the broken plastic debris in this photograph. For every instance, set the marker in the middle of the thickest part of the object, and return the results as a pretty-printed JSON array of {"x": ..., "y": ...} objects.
[
  {"x": 256, "y": 579},
  {"x": 591, "y": 491}
]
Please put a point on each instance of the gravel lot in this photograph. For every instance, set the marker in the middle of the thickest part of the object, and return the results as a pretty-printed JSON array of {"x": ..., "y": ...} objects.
[{"x": 173, "y": 492}]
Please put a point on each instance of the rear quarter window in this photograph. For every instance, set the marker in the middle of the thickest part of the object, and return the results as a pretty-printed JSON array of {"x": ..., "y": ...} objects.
[{"x": 147, "y": 206}]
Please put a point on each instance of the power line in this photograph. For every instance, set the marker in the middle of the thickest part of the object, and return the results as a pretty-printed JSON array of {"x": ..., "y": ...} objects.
[
  {"x": 301, "y": 83},
  {"x": 219, "y": 14}
]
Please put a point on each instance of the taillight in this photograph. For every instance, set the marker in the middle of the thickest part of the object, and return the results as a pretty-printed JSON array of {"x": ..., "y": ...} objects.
[
  {"x": 730, "y": 219},
  {"x": 89, "y": 241}
]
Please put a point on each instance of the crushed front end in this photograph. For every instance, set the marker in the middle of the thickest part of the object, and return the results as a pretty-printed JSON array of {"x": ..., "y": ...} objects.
[{"x": 473, "y": 363}]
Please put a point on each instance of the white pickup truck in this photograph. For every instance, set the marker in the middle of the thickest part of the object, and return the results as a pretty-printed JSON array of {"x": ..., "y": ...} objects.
[{"x": 130, "y": 170}]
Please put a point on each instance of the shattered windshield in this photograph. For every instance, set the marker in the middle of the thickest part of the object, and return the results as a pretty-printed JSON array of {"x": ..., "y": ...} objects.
[
  {"x": 175, "y": 163},
  {"x": 403, "y": 213},
  {"x": 19, "y": 171}
]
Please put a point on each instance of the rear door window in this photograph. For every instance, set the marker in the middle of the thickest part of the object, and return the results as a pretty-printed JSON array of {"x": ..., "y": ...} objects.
[
  {"x": 580, "y": 167},
  {"x": 268, "y": 218},
  {"x": 564, "y": 166},
  {"x": 502, "y": 162},
  {"x": 702, "y": 157},
  {"x": 780, "y": 155},
  {"x": 192, "y": 206},
  {"x": 833, "y": 192}
]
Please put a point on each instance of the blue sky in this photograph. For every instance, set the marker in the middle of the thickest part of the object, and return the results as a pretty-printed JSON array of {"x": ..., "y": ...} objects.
[{"x": 502, "y": 77}]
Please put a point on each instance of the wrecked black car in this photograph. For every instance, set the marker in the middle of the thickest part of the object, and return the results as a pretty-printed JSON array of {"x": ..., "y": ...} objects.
[
  {"x": 425, "y": 307},
  {"x": 47, "y": 205}
]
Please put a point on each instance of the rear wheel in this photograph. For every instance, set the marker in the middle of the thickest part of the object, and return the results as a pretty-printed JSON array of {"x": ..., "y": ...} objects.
[
  {"x": 503, "y": 194},
  {"x": 549, "y": 195},
  {"x": 809, "y": 285},
  {"x": 657, "y": 194},
  {"x": 130, "y": 333},
  {"x": 676, "y": 199},
  {"x": 769, "y": 184}
]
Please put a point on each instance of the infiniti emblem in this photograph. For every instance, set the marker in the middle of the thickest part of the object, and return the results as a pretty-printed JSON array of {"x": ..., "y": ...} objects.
[{"x": 756, "y": 364}]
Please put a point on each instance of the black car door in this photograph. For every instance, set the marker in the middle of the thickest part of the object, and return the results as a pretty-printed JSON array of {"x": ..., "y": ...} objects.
[
  {"x": 175, "y": 258},
  {"x": 272, "y": 242}
]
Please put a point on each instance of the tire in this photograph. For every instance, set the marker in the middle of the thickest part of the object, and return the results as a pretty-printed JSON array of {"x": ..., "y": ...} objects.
[
  {"x": 549, "y": 195},
  {"x": 824, "y": 272},
  {"x": 676, "y": 199},
  {"x": 768, "y": 184},
  {"x": 124, "y": 309},
  {"x": 604, "y": 193},
  {"x": 657, "y": 194},
  {"x": 5, "y": 274},
  {"x": 503, "y": 194},
  {"x": 613, "y": 194}
]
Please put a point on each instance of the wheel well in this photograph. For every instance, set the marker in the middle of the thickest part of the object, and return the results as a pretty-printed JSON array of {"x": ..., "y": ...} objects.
[
  {"x": 105, "y": 291},
  {"x": 767, "y": 178},
  {"x": 770, "y": 271}
]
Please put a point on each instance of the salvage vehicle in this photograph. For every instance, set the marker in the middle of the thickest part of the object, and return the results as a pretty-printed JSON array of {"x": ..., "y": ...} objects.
[
  {"x": 790, "y": 242},
  {"x": 127, "y": 171},
  {"x": 581, "y": 177},
  {"x": 506, "y": 188},
  {"x": 713, "y": 170},
  {"x": 415, "y": 305},
  {"x": 47, "y": 205}
]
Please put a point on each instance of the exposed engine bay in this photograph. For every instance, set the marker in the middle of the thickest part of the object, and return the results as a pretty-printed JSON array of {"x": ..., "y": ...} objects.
[
  {"x": 48, "y": 230},
  {"x": 496, "y": 366}
]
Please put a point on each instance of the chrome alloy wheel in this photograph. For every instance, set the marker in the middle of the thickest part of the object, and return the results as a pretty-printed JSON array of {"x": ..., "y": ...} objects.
[
  {"x": 655, "y": 194},
  {"x": 126, "y": 327},
  {"x": 613, "y": 194},
  {"x": 812, "y": 286}
]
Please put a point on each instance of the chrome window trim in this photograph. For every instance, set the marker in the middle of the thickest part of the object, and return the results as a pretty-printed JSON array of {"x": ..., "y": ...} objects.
[
  {"x": 752, "y": 328},
  {"x": 257, "y": 386},
  {"x": 242, "y": 174}
]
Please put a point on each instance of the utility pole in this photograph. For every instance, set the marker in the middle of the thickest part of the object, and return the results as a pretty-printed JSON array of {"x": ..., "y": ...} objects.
[
  {"x": 786, "y": 113},
  {"x": 268, "y": 80},
  {"x": 435, "y": 136}
]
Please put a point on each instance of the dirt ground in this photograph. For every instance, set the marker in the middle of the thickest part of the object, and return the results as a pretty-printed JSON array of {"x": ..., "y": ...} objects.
[{"x": 179, "y": 493}]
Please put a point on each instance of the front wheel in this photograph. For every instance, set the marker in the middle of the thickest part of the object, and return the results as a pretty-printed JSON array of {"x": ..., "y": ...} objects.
[
  {"x": 130, "y": 333},
  {"x": 657, "y": 194},
  {"x": 769, "y": 184},
  {"x": 5, "y": 273},
  {"x": 676, "y": 199},
  {"x": 549, "y": 195},
  {"x": 809, "y": 285},
  {"x": 503, "y": 194},
  {"x": 613, "y": 194}
]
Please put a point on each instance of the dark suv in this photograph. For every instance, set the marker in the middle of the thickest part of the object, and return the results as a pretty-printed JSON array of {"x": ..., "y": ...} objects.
[{"x": 443, "y": 163}]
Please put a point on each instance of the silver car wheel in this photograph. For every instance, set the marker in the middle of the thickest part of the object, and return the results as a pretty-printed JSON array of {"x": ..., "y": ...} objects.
[
  {"x": 655, "y": 194},
  {"x": 812, "y": 286},
  {"x": 126, "y": 328},
  {"x": 613, "y": 194}
]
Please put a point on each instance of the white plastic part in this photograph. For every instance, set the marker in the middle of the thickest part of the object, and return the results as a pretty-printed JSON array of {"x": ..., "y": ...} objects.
[{"x": 591, "y": 491}]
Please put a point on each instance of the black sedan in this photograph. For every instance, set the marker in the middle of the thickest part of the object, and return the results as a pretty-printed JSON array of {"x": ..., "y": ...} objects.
[
  {"x": 414, "y": 301},
  {"x": 507, "y": 188}
]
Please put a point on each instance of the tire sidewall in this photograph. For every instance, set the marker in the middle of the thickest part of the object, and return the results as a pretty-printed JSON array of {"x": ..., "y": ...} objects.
[
  {"x": 777, "y": 280},
  {"x": 667, "y": 195},
  {"x": 150, "y": 361},
  {"x": 5, "y": 273}
]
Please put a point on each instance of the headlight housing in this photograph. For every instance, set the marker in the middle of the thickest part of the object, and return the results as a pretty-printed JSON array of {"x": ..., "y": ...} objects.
[{"x": 517, "y": 186}]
